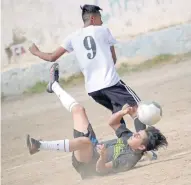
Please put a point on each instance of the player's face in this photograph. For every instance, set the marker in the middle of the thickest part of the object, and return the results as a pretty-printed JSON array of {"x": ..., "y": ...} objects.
[{"x": 137, "y": 140}]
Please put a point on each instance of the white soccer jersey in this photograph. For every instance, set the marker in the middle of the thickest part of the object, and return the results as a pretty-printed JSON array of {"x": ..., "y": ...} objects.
[{"x": 92, "y": 49}]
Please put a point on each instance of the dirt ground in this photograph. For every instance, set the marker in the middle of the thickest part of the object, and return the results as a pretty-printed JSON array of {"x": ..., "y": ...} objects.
[{"x": 44, "y": 117}]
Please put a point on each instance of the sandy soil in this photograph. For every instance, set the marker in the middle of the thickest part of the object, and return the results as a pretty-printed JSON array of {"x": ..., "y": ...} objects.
[{"x": 43, "y": 117}]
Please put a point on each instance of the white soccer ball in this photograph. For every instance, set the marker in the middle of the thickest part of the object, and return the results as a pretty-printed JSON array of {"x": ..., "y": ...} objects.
[{"x": 149, "y": 113}]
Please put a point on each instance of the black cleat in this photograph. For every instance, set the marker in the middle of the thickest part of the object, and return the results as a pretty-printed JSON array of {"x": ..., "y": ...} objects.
[
  {"x": 33, "y": 145},
  {"x": 54, "y": 76}
]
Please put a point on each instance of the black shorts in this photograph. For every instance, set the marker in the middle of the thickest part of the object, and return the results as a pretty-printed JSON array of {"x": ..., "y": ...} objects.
[
  {"x": 86, "y": 169},
  {"x": 116, "y": 96}
]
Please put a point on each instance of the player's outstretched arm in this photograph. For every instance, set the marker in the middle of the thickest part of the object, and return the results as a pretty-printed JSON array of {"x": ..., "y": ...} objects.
[
  {"x": 114, "y": 120},
  {"x": 51, "y": 57}
]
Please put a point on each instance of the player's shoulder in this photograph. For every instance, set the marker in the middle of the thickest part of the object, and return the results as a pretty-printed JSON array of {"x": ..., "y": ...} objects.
[{"x": 105, "y": 32}]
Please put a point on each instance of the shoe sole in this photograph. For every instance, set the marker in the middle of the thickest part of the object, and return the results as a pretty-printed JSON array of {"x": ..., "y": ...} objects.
[
  {"x": 53, "y": 68},
  {"x": 28, "y": 143},
  {"x": 29, "y": 146}
]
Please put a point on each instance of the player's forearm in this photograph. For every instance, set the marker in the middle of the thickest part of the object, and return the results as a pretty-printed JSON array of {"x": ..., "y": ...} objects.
[
  {"x": 100, "y": 166},
  {"x": 115, "y": 118},
  {"x": 45, "y": 56},
  {"x": 114, "y": 61}
]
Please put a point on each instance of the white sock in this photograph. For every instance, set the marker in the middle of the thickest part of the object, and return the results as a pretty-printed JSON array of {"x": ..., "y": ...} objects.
[
  {"x": 62, "y": 145},
  {"x": 67, "y": 101}
]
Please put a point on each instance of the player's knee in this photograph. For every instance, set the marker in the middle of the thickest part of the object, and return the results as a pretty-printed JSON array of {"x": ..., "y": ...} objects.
[
  {"x": 84, "y": 140},
  {"x": 77, "y": 109}
]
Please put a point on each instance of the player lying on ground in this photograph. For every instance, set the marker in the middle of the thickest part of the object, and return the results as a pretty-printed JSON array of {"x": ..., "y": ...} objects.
[{"x": 89, "y": 156}]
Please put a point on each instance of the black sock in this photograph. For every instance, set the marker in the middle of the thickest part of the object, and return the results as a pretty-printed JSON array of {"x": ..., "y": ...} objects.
[{"x": 139, "y": 125}]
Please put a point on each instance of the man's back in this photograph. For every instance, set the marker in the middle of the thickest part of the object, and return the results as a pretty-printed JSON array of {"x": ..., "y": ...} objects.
[{"x": 92, "y": 49}]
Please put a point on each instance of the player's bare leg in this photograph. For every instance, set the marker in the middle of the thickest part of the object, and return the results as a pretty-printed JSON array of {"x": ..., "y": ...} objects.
[
  {"x": 82, "y": 146},
  {"x": 81, "y": 124}
]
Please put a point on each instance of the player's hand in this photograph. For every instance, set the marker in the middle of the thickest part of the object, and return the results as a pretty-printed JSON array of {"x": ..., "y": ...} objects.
[
  {"x": 101, "y": 150},
  {"x": 126, "y": 109},
  {"x": 34, "y": 49}
]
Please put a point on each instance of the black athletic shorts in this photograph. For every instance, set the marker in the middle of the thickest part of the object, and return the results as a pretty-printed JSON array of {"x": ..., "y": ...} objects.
[
  {"x": 116, "y": 96},
  {"x": 86, "y": 169}
]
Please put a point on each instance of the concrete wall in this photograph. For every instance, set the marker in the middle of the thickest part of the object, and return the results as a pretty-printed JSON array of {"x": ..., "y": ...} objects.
[
  {"x": 47, "y": 22},
  {"x": 172, "y": 40}
]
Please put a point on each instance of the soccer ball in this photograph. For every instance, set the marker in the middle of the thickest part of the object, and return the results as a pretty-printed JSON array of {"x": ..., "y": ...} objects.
[{"x": 149, "y": 113}]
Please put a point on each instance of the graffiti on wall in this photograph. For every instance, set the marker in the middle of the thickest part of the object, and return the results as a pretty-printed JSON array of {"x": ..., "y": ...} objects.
[
  {"x": 17, "y": 50},
  {"x": 119, "y": 5}
]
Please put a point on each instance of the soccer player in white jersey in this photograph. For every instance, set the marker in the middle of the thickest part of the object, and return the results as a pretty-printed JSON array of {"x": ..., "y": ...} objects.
[{"x": 93, "y": 45}]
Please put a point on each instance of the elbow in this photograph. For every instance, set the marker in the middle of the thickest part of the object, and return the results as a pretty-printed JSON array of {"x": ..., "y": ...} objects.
[
  {"x": 100, "y": 170},
  {"x": 111, "y": 123},
  {"x": 52, "y": 58},
  {"x": 114, "y": 125}
]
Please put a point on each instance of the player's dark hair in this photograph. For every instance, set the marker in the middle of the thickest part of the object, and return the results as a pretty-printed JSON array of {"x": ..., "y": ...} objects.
[
  {"x": 88, "y": 10},
  {"x": 155, "y": 139}
]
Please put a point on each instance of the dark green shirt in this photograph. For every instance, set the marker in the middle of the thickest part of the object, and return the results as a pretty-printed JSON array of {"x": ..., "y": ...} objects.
[{"x": 119, "y": 152}]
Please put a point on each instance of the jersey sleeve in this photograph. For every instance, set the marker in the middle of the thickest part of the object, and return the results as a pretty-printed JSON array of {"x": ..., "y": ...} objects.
[
  {"x": 67, "y": 44},
  {"x": 109, "y": 38},
  {"x": 122, "y": 131}
]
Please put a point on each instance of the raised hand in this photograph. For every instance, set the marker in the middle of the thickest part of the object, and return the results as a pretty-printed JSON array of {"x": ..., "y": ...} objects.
[{"x": 34, "y": 49}]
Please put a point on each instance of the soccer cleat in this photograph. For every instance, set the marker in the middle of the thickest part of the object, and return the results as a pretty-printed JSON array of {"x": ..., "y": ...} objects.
[
  {"x": 154, "y": 157},
  {"x": 33, "y": 145},
  {"x": 151, "y": 155},
  {"x": 54, "y": 76}
]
